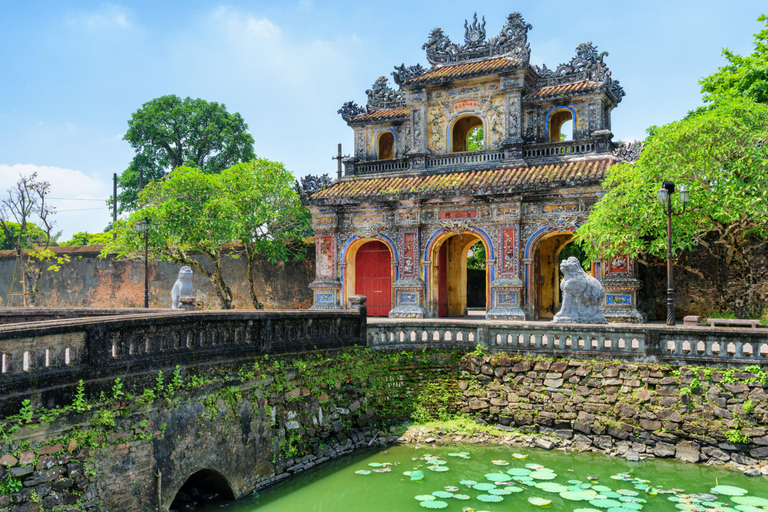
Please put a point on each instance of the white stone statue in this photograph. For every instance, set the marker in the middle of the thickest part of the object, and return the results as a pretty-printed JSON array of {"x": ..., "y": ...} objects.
[
  {"x": 582, "y": 295},
  {"x": 182, "y": 287}
]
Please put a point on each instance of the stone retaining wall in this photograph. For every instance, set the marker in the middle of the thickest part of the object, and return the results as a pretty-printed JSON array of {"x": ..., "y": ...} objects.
[{"x": 713, "y": 415}]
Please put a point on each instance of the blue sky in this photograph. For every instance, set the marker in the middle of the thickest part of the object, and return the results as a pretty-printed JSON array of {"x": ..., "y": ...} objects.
[{"x": 74, "y": 72}]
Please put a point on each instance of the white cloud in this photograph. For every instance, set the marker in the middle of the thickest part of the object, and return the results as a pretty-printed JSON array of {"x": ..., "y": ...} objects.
[
  {"x": 78, "y": 198},
  {"x": 107, "y": 17},
  {"x": 248, "y": 26}
]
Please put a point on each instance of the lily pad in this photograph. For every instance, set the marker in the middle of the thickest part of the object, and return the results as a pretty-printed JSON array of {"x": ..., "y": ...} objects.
[
  {"x": 442, "y": 494},
  {"x": 605, "y": 503},
  {"x": 499, "y": 492},
  {"x": 434, "y": 504},
  {"x": 490, "y": 498},
  {"x": 417, "y": 475},
  {"x": 519, "y": 456},
  {"x": 451, "y": 488},
  {"x": 728, "y": 490},
  {"x": 518, "y": 472},
  {"x": 468, "y": 483},
  {"x": 425, "y": 497},
  {"x": 484, "y": 487},
  {"x": 580, "y": 495},
  {"x": 461, "y": 496},
  {"x": 498, "y": 477},
  {"x": 543, "y": 475},
  {"x": 362, "y": 472},
  {"x": 531, "y": 465},
  {"x": 755, "y": 501},
  {"x": 500, "y": 462},
  {"x": 512, "y": 488},
  {"x": 539, "y": 502},
  {"x": 375, "y": 464},
  {"x": 551, "y": 487}
]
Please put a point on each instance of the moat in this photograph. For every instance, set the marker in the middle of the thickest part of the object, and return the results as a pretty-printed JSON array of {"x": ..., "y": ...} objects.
[{"x": 494, "y": 478}]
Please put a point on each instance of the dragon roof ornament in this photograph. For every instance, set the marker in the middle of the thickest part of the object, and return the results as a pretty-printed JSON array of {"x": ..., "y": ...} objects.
[
  {"x": 628, "y": 151},
  {"x": 586, "y": 65},
  {"x": 402, "y": 74},
  {"x": 380, "y": 96},
  {"x": 512, "y": 41}
]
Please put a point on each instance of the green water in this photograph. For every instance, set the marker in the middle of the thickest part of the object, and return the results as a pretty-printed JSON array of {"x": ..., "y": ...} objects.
[{"x": 335, "y": 487}]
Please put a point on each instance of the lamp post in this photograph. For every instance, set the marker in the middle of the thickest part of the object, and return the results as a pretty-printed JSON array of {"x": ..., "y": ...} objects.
[
  {"x": 143, "y": 227},
  {"x": 665, "y": 198}
]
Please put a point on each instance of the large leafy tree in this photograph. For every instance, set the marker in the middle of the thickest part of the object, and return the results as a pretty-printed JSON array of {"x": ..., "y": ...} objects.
[
  {"x": 169, "y": 132},
  {"x": 248, "y": 209},
  {"x": 270, "y": 219},
  {"x": 720, "y": 153}
]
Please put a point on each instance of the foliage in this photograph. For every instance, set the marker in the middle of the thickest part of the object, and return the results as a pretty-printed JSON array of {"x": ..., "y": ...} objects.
[
  {"x": 721, "y": 156},
  {"x": 26, "y": 222},
  {"x": 743, "y": 76},
  {"x": 475, "y": 139},
  {"x": 7, "y": 242},
  {"x": 10, "y": 484},
  {"x": 575, "y": 250},
  {"x": 84, "y": 238},
  {"x": 250, "y": 204},
  {"x": 269, "y": 218},
  {"x": 476, "y": 257},
  {"x": 169, "y": 132}
]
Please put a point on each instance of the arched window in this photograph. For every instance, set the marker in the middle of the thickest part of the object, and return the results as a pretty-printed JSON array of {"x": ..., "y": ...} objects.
[
  {"x": 462, "y": 129},
  {"x": 557, "y": 122},
  {"x": 386, "y": 146}
]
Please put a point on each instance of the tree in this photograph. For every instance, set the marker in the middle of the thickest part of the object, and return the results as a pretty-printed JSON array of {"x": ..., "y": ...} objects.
[
  {"x": 84, "y": 238},
  {"x": 250, "y": 204},
  {"x": 271, "y": 220},
  {"x": 721, "y": 155},
  {"x": 743, "y": 76},
  {"x": 169, "y": 132},
  {"x": 25, "y": 205},
  {"x": 7, "y": 242}
]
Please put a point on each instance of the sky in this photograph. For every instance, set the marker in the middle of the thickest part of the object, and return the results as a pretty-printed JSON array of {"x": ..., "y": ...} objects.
[{"x": 72, "y": 73}]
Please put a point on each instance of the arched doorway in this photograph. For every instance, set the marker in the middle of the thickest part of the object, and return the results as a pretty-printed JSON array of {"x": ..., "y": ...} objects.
[
  {"x": 386, "y": 146},
  {"x": 560, "y": 125},
  {"x": 462, "y": 128},
  {"x": 547, "y": 273},
  {"x": 448, "y": 286},
  {"x": 372, "y": 276}
]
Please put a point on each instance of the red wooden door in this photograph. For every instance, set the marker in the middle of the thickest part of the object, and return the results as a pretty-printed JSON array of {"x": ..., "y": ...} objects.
[
  {"x": 373, "y": 277},
  {"x": 442, "y": 281}
]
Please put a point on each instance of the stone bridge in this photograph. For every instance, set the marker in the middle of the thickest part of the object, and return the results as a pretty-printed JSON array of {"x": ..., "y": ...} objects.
[{"x": 131, "y": 410}]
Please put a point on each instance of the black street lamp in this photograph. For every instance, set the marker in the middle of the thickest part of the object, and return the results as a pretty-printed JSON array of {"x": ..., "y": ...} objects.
[
  {"x": 665, "y": 198},
  {"x": 143, "y": 227}
]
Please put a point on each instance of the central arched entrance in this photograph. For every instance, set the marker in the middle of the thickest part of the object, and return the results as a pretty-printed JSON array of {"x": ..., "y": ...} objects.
[{"x": 449, "y": 286}]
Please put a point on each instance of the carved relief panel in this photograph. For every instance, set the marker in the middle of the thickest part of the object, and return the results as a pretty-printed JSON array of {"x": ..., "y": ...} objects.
[
  {"x": 409, "y": 249},
  {"x": 326, "y": 256}
]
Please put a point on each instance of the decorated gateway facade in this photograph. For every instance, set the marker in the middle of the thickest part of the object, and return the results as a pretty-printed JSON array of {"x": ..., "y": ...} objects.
[{"x": 470, "y": 150}]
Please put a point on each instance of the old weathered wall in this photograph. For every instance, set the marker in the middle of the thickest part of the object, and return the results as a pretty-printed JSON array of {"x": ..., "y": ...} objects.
[
  {"x": 694, "y": 414},
  {"x": 92, "y": 282}
]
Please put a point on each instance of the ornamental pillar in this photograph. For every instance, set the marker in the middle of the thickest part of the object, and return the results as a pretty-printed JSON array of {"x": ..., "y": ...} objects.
[
  {"x": 326, "y": 288},
  {"x": 507, "y": 288},
  {"x": 621, "y": 287},
  {"x": 409, "y": 288}
]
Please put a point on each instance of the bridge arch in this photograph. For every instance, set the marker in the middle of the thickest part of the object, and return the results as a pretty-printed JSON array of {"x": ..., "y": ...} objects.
[{"x": 203, "y": 484}]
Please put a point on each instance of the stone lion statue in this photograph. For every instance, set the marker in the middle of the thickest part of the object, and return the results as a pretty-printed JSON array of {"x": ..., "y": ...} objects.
[
  {"x": 182, "y": 287},
  {"x": 582, "y": 295}
]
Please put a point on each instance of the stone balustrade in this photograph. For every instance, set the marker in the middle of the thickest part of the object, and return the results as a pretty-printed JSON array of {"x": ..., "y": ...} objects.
[
  {"x": 571, "y": 147},
  {"x": 46, "y": 359},
  {"x": 465, "y": 158},
  {"x": 629, "y": 342}
]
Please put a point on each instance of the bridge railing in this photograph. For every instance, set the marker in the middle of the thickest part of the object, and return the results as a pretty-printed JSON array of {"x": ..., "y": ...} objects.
[
  {"x": 629, "y": 342},
  {"x": 48, "y": 358}
]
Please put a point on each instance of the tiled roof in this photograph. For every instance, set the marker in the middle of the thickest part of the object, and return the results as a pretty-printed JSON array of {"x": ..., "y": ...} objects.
[
  {"x": 465, "y": 70},
  {"x": 383, "y": 115},
  {"x": 481, "y": 182},
  {"x": 556, "y": 90}
]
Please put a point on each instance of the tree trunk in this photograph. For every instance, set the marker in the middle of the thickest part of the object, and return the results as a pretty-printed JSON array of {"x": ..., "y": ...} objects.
[{"x": 251, "y": 260}]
